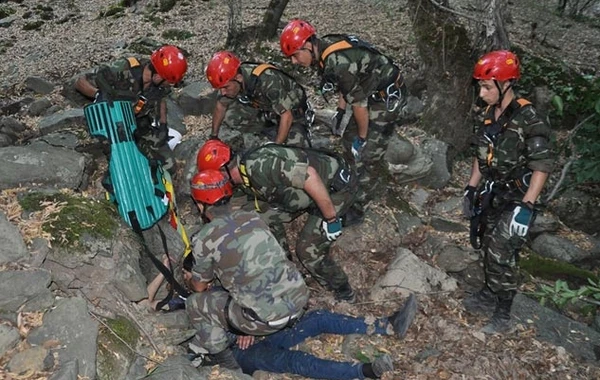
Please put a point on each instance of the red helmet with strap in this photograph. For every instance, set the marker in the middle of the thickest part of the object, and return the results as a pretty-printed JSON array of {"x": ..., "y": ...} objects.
[
  {"x": 169, "y": 63},
  {"x": 222, "y": 67},
  {"x": 294, "y": 35},
  {"x": 210, "y": 187},
  {"x": 214, "y": 154},
  {"x": 499, "y": 65}
]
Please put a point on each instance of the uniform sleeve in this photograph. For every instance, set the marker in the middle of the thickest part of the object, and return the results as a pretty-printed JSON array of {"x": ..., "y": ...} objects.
[
  {"x": 538, "y": 141},
  {"x": 204, "y": 264},
  {"x": 277, "y": 168},
  {"x": 282, "y": 92},
  {"x": 345, "y": 75},
  {"x": 110, "y": 76}
]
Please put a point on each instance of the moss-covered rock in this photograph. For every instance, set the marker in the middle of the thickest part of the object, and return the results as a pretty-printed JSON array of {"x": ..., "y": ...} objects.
[
  {"x": 6, "y": 11},
  {"x": 549, "y": 269},
  {"x": 112, "y": 11},
  {"x": 114, "y": 354},
  {"x": 34, "y": 25},
  {"x": 74, "y": 217}
]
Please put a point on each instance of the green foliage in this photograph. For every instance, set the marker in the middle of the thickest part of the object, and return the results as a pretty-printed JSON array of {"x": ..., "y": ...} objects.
[
  {"x": 76, "y": 216},
  {"x": 560, "y": 294},
  {"x": 576, "y": 104},
  {"x": 177, "y": 34}
]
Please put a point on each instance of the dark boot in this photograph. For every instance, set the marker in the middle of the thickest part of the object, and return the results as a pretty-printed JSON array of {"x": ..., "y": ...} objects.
[
  {"x": 345, "y": 293},
  {"x": 354, "y": 215},
  {"x": 500, "y": 321},
  {"x": 483, "y": 302},
  {"x": 225, "y": 359},
  {"x": 380, "y": 365},
  {"x": 402, "y": 319}
]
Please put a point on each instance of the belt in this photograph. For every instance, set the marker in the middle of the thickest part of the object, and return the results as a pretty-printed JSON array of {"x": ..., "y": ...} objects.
[{"x": 251, "y": 315}]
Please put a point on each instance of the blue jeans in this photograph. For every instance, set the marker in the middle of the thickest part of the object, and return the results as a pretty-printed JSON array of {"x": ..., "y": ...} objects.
[{"x": 273, "y": 353}]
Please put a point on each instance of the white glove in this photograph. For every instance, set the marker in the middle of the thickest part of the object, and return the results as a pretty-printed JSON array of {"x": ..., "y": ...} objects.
[
  {"x": 332, "y": 230},
  {"x": 519, "y": 224}
]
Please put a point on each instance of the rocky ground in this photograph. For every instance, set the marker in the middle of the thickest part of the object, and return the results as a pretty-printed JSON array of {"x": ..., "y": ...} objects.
[{"x": 444, "y": 343}]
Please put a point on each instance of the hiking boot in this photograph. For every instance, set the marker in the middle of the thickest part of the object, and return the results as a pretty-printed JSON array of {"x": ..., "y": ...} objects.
[
  {"x": 381, "y": 365},
  {"x": 345, "y": 293},
  {"x": 500, "y": 321},
  {"x": 483, "y": 302},
  {"x": 225, "y": 359},
  {"x": 402, "y": 319},
  {"x": 354, "y": 215}
]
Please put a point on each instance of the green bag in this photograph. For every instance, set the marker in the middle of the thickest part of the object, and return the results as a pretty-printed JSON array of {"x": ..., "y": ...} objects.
[{"x": 135, "y": 184}]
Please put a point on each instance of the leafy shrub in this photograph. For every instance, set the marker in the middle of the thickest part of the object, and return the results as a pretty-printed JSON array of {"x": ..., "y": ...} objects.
[{"x": 560, "y": 294}]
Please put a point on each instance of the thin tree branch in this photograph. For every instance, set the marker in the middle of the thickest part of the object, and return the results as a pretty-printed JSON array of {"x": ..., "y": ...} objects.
[
  {"x": 121, "y": 339},
  {"x": 440, "y": 6},
  {"x": 572, "y": 159}
]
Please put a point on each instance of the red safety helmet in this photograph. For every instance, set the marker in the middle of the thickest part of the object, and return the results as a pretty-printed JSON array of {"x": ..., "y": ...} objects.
[
  {"x": 222, "y": 68},
  {"x": 169, "y": 63},
  {"x": 294, "y": 35},
  {"x": 210, "y": 187},
  {"x": 500, "y": 65},
  {"x": 214, "y": 154}
]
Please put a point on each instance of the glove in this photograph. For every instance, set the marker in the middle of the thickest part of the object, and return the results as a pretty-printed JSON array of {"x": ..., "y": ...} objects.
[
  {"x": 332, "y": 229},
  {"x": 519, "y": 224},
  {"x": 357, "y": 146},
  {"x": 160, "y": 134},
  {"x": 99, "y": 97},
  {"x": 336, "y": 121},
  {"x": 469, "y": 202}
]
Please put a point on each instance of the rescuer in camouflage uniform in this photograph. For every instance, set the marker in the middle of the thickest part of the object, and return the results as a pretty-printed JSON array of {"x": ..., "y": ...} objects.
[
  {"x": 265, "y": 103},
  {"x": 145, "y": 83},
  {"x": 260, "y": 291},
  {"x": 513, "y": 158},
  {"x": 370, "y": 86},
  {"x": 294, "y": 181}
]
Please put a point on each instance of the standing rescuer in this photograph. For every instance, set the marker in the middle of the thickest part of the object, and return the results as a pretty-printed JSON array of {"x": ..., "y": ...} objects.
[{"x": 513, "y": 158}]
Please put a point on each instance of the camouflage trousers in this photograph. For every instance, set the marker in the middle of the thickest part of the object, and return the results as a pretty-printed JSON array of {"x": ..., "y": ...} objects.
[
  {"x": 501, "y": 253},
  {"x": 382, "y": 124},
  {"x": 154, "y": 147},
  {"x": 257, "y": 128},
  {"x": 312, "y": 246},
  {"x": 207, "y": 311}
]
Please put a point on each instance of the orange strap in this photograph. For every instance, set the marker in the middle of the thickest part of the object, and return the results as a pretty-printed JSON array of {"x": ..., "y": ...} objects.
[{"x": 341, "y": 45}]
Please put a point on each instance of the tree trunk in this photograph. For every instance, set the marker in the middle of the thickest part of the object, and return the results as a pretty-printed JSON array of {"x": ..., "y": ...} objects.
[
  {"x": 444, "y": 47},
  {"x": 493, "y": 34},
  {"x": 272, "y": 17},
  {"x": 234, "y": 23}
]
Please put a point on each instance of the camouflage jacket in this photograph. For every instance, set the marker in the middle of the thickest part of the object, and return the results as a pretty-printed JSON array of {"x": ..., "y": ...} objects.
[
  {"x": 120, "y": 81},
  {"x": 239, "y": 249},
  {"x": 271, "y": 91},
  {"x": 517, "y": 140},
  {"x": 276, "y": 174},
  {"x": 357, "y": 72}
]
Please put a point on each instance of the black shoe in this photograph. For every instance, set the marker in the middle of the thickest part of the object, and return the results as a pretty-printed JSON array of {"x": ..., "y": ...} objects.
[
  {"x": 354, "y": 215},
  {"x": 345, "y": 293},
  {"x": 483, "y": 302},
  {"x": 500, "y": 322},
  {"x": 402, "y": 319},
  {"x": 225, "y": 359}
]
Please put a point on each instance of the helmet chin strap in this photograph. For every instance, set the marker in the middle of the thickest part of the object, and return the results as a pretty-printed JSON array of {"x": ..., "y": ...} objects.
[
  {"x": 501, "y": 93},
  {"x": 313, "y": 40}
]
